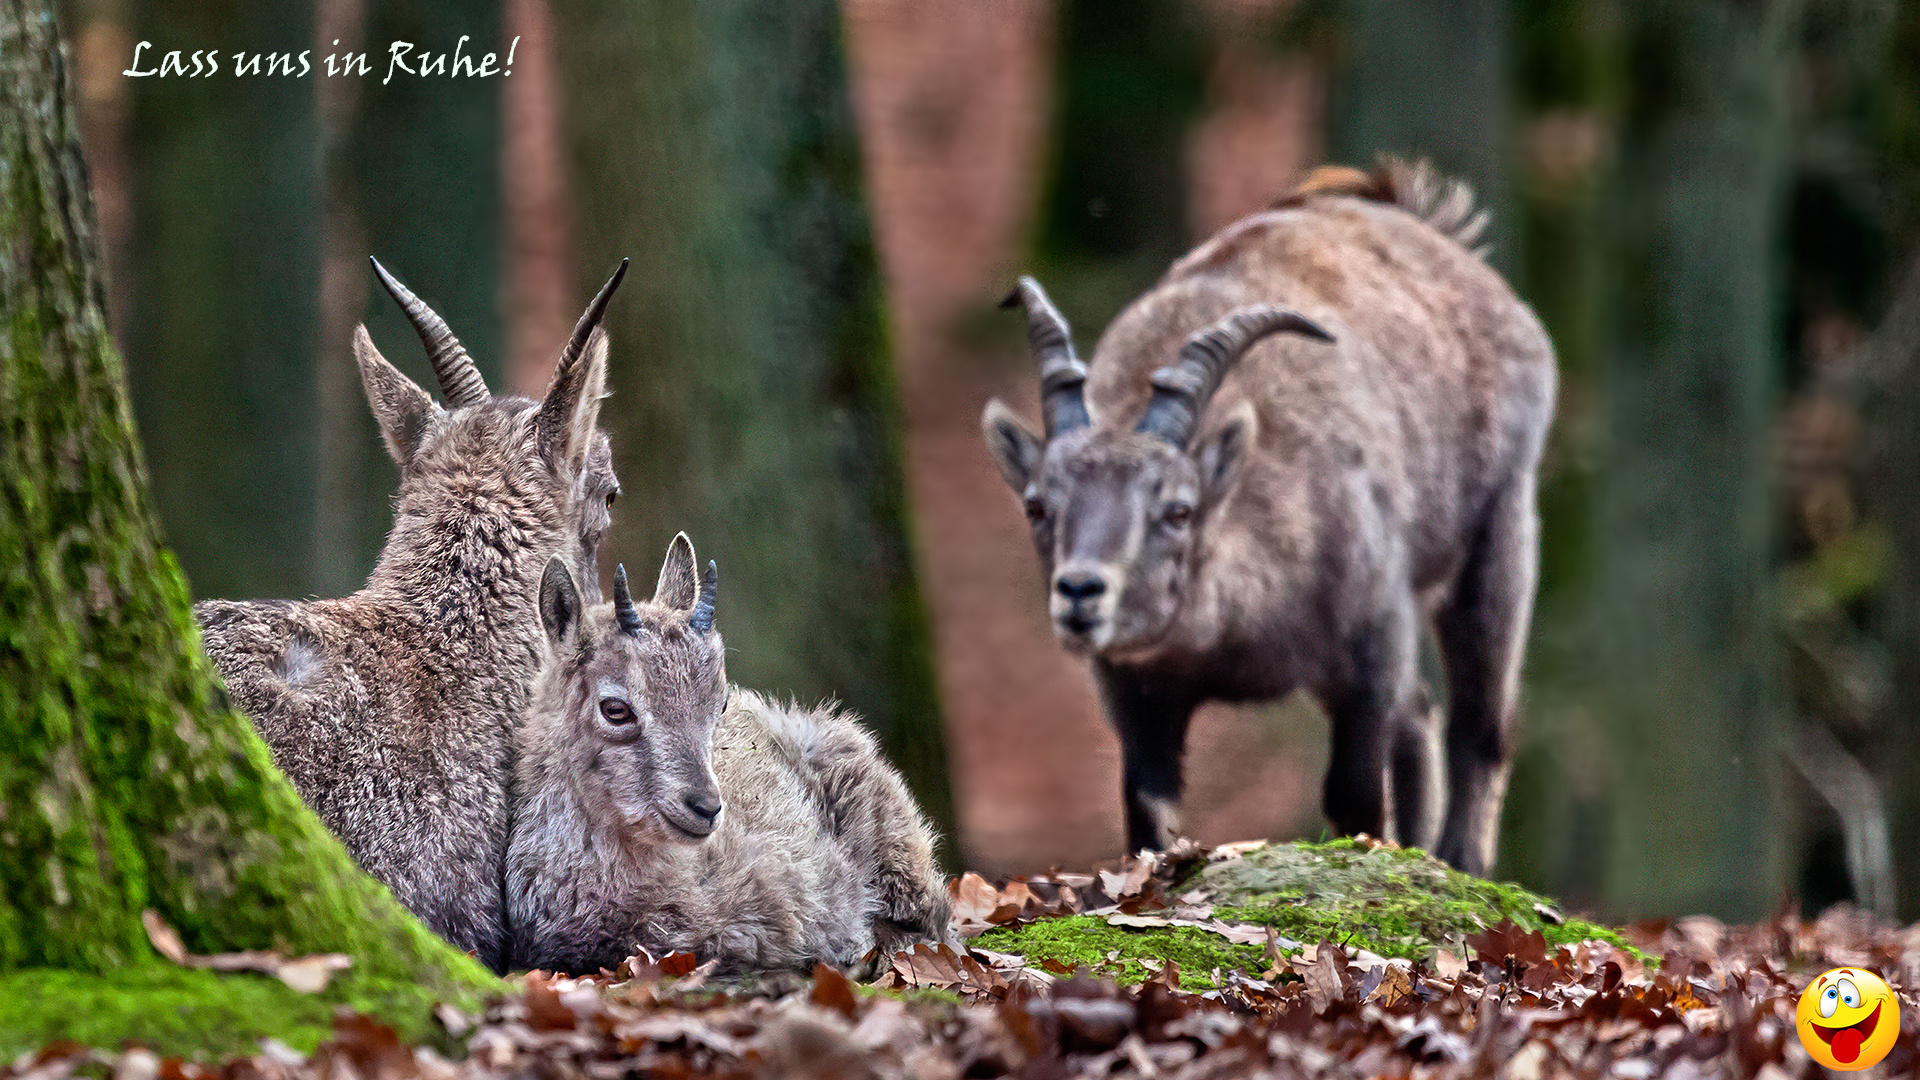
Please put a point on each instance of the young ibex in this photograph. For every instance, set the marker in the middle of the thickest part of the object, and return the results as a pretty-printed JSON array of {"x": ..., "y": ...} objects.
[
  {"x": 1228, "y": 512},
  {"x": 655, "y": 806},
  {"x": 393, "y": 710}
]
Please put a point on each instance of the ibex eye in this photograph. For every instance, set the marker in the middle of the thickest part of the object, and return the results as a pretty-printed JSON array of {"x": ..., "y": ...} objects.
[
  {"x": 616, "y": 711},
  {"x": 1036, "y": 508},
  {"x": 1178, "y": 513}
]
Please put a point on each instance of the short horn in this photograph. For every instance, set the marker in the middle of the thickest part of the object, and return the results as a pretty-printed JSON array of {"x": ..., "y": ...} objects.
[
  {"x": 702, "y": 620},
  {"x": 1063, "y": 377},
  {"x": 1181, "y": 392},
  {"x": 623, "y": 612},
  {"x": 460, "y": 381}
]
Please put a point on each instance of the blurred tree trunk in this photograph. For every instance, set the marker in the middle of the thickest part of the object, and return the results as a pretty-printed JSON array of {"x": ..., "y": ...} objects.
[
  {"x": 1557, "y": 805},
  {"x": 1685, "y": 611},
  {"x": 225, "y": 265},
  {"x": 753, "y": 403},
  {"x": 1430, "y": 79},
  {"x": 1131, "y": 78},
  {"x": 411, "y": 175},
  {"x": 1896, "y": 464},
  {"x": 127, "y": 784}
]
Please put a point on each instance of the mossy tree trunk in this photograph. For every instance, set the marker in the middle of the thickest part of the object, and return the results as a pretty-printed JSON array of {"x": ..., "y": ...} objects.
[
  {"x": 127, "y": 784},
  {"x": 753, "y": 400}
]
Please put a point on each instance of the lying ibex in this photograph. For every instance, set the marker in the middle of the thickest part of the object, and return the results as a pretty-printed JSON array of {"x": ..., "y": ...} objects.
[
  {"x": 655, "y": 806},
  {"x": 393, "y": 710},
  {"x": 1317, "y": 431}
]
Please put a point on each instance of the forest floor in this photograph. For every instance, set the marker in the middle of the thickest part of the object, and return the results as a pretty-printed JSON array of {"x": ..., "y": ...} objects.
[{"x": 1177, "y": 966}]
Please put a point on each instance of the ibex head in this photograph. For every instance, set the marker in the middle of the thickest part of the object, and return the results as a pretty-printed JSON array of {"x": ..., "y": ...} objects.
[
  {"x": 627, "y": 703},
  {"x": 1115, "y": 509},
  {"x": 549, "y": 451}
]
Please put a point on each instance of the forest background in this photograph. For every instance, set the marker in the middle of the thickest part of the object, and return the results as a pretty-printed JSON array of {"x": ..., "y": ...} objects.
[{"x": 1713, "y": 204}]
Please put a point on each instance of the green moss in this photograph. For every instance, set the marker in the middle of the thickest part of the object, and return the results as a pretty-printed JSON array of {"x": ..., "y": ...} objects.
[
  {"x": 1392, "y": 902},
  {"x": 1087, "y": 941},
  {"x": 1389, "y": 901},
  {"x": 192, "y": 1013}
]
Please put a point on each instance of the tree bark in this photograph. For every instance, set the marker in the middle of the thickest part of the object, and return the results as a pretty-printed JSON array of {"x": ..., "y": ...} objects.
[
  {"x": 128, "y": 784},
  {"x": 753, "y": 399}
]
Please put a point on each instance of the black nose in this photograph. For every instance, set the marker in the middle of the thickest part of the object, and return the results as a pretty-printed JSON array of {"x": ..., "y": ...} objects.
[
  {"x": 705, "y": 805},
  {"x": 1082, "y": 586}
]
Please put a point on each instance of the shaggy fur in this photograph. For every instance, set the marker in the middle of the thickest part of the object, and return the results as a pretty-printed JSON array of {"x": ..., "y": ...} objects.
[
  {"x": 818, "y": 852},
  {"x": 392, "y": 710},
  {"x": 1327, "y": 499}
]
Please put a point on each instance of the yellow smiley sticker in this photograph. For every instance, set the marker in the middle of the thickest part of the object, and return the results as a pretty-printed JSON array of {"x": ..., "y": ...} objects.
[{"x": 1848, "y": 1019}]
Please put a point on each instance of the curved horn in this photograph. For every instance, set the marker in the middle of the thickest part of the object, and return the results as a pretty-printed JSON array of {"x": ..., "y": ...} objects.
[
  {"x": 1063, "y": 377},
  {"x": 556, "y": 412},
  {"x": 702, "y": 620},
  {"x": 1181, "y": 392},
  {"x": 596, "y": 309},
  {"x": 460, "y": 381},
  {"x": 623, "y": 612}
]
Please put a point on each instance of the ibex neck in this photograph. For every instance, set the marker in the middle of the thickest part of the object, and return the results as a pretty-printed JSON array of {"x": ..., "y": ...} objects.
[{"x": 467, "y": 563}]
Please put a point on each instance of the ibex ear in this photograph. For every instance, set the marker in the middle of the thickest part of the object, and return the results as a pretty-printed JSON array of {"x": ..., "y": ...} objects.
[
  {"x": 400, "y": 407},
  {"x": 1220, "y": 454},
  {"x": 559, "y": 602},
  {"x": 572, "y": 406},
  {"x": 1015, "y": 447},
  {"x": 679, "y": 585}
]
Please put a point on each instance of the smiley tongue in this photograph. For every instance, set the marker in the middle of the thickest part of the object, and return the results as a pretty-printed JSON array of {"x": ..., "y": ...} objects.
[{"x": 1846, "y": 1045}]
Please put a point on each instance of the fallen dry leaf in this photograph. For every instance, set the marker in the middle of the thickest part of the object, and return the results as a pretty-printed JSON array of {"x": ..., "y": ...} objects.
[{"x": 306, "y": 974}]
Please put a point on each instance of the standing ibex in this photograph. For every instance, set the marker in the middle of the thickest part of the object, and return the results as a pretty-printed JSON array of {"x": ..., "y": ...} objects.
[
  {"x": 1317, "y": 431},
  {"x": 393, "y": 710},
  {"x": 655, "y": 806}
]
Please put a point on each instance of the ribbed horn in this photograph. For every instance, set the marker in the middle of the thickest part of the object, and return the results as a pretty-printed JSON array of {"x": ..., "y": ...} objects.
[
  {"x": 623, "y": 612},
  {"x": 1063, "y": 401},
  {"x": 1181, "y": 392},
  {"x": 460, "y": 381},
  {"x": 702, "y": 620}
]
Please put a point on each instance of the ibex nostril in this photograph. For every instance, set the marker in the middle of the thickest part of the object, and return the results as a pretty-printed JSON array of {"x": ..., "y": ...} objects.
[
  {"x": 1082, "y": 586},
  {"x": 704, "y": 806}
]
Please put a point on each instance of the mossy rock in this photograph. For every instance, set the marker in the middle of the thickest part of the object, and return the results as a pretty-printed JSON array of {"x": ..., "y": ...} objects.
[
  {"x": 1394, "y": 902},
  {"x": 1116, "y": 952},
  {"x": 201, "y": 1015}
]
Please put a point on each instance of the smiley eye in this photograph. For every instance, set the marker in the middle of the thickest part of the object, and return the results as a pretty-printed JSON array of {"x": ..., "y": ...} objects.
[
  {"x": 616, "y": 711},
  {"x": 1177, "y": 513},
  {"x": 1829, "y": 1001},
  {"x": 1849, "y": 993}
]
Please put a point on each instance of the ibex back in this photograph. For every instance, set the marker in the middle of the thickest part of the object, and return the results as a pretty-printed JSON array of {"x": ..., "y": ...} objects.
[
  {"x": 1319, "y": 430},
  {"x": 392, "y": 710},
  {"x": 656, "y": 806}
]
